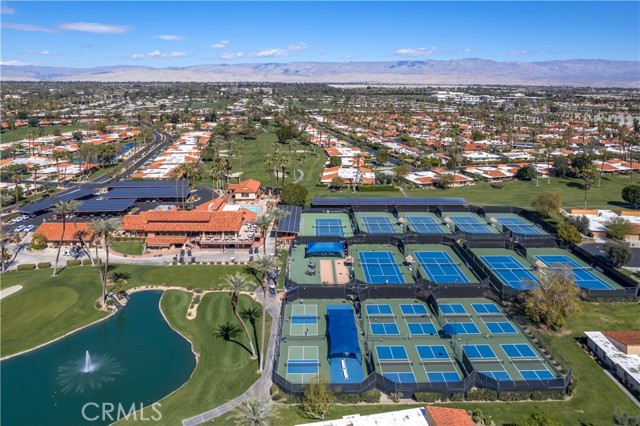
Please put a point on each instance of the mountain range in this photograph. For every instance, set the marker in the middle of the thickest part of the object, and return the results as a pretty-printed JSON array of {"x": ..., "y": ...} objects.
[{"x": 576, "y": 72}]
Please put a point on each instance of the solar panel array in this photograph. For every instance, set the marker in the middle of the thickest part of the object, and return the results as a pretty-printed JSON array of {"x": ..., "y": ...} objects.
[
  {"x": 146, "y": 184},
  {"x": 148, "y": 192},
  {"x": 391, "y": 201},
  {"x": 290, "y": 223},
  {"x": 50, "y": 201},
  {"x": 115, "y": 205}
]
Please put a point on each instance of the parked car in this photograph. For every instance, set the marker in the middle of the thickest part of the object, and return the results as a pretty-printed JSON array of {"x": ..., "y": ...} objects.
[
  {"x": 19, "y": 229},
  {"x": 32, "y": 215},
  {"x": 272, "y": 289},
  {"x": 29, "y": 228}
]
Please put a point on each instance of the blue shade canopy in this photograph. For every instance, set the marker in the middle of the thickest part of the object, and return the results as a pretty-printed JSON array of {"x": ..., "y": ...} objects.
[
  {"x": 329, "y": 247},
  {"x": 342, "y": 335},
  {"x": 449, "y": 330}
]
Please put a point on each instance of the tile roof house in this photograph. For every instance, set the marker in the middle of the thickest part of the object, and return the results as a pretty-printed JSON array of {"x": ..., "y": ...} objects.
[
  {"x": 246, "y": 190},
  {"x": 441, "y": 416},
  {"x": 619, "y": 352},
  {"x": 53, "y": 230},
  {"x": 627, "y": 341}
]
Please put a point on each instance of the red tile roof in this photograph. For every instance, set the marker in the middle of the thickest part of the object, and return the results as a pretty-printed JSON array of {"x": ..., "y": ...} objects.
[
  {"x": 185, "y": 221},
  {"x": 53, "y": 230},
  {"x": 630, "y": 338},
  {"x": 250, "y": 186},
  {"x": 440, "y": 416}
]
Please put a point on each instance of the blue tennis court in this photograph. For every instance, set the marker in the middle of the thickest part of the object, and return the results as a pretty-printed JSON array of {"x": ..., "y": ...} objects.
[
  {"x": 380, "y": 267},
  {"x": 479, "y": 352},
  {"x": 329, "y": 227},
  {"x": 413, "y": 310},
  {"x": 302, "y": 363},
  {"x": 424, "y": 225},
  {"x": 440, "y": 267},
  {"x": 583, "y": 276},
  {"x": 519, "y": 351},
  {"x": 485, "y": 308},
  {"x": 502, "y": 327},
  {"x": 433, "y": 352},
  {"x": 519, "y": 226},
  {"x": 443, "y": 376},
  {"x": 378, "y": 225},
  {"x": 452, "y": 309},
  {"x": 421, "y": 328},
  {"x": 471, "y": 225},
  {"x": 405, "y": 377},
  {"x": 536, "y": 375},
  {"x": 499, "y": 375},
  {"x": 464, "y": 327},
  {"x": 304, "y": 319},
  {"x": 511, "y": 272},
  {"x": 392, "y": 353},
  {"x": 378, "y": 309},
  {"x": 389, "y": 328}
]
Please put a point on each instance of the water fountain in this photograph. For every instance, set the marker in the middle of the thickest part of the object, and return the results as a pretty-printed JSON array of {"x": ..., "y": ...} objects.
[{"x": 87, "y": 373}]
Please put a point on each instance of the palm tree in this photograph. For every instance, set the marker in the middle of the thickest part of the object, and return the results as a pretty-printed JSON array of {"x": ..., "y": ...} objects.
[
  {"x": 180, "y": 173},
  {"x": 254, "y": 412},
  {"x": 63, "y": 208},
  {"x": 241, "y": 153},
  {"x": 285, "y": 161},
  {"x": 34, "y": 170},
  {"x": 227, "y": 331},
  {"x": 16, "y": 179},
  {"x": 263, "y": 222},
  {"x": 104, "y": 229},
  {"x": 276, "y": 215},
  {"x": 268, "y": 161},
  {"x": 237, "y": 283},
  {"x": 263, "y": 265}
]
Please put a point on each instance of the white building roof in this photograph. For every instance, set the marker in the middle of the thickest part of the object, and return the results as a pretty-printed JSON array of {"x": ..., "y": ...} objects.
[
  {"x": 629, "y": 363},
  {"x": 411, "y": 417}
]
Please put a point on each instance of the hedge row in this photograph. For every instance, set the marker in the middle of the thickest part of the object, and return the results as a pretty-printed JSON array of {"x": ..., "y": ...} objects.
[
  {"x": 87, "y": 262},
  {"x": 74, "y": 262},
  {"x": 489, "y": 395},
  {"x": 44, "y": 265},
  {"x": 26, "y": 267},
  {"x": 372, "y": 397},
  {"x": 376, "y": 188}
]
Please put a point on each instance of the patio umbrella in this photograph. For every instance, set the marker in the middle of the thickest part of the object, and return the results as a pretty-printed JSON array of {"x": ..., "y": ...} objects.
[
  {"x": 349, "y": 259},
  {"x": 449, "y": 330},
  {"x": 409, "y": 259}
]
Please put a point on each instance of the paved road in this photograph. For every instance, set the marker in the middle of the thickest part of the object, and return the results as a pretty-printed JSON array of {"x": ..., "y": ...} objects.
[
  {"x": 597, "y": 249},
  {"x": 300, "y": 176}
]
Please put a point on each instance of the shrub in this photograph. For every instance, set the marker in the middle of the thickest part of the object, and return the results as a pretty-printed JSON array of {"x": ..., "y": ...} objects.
[
  {"x": 38, "y": 241},
  {"x": 74, "y": 262},
  {"x": 86, "y": 262},
  {"x": 26, "y": 267},
  {"x": 428, "y": 396},
  {"x": 395, "y": 396},
  {"x": 376, "y": 188},
  {"x": 294, "y": 194},
  {"x": 371, "y": 396},
  {"x": 457, "y": 396},
  {"x": 547, "y": 203},
  {"x": 544, "y": 395},
  {"x": 569, "y": 233},
  {"x": 482, "y": 395},
  {"x": 514, "y": 396},
  {"x": 44, "y": 265},
  {"x": 497, "y": 185}
]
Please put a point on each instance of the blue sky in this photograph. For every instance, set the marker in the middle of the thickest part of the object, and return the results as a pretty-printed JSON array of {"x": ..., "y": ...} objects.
[{"x": 170, "y": 33}]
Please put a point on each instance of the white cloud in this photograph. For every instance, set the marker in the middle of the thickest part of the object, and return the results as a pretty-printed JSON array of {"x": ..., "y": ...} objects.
[
  {"x": 222, "y": 44},
  {"x": 14, "y": 63},
  {"x": 94, "y": 27},
  {"x": 26, "y": 27},
  {"x": 45, "y": 52},
  {"x": 168, "y": 37},
  {"x": 420, "y": 51},
  {"x": 235, "y": 55},
  {"x": 158, "y": 54},
  {"x": 518, "y": 53},
  {"x": 4, "y": 10},
  {"x": 298, "y": 46},
  {"x": 271, "y": 53}
]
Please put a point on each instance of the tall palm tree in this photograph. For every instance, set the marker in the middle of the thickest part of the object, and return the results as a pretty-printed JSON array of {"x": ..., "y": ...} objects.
[
  {"x": 263, "y": 222},
  {"x": 34, "y": 171},
  {"x": 241, "y": 153},
  {"x": 263, "y": 265},
  {"x": 268, "y": 162},
  {"x": 276, "y": 215},
  {"x": 63, "y": 208},
  {"x": 180, "y": 173},
  {"x": 285, "y": 161},
  {"x": 254, "y": 412},
  {"x": 235, "y": 284},
  {"x": 16, "y": 179},
  {"x": 104, "y": 229}
]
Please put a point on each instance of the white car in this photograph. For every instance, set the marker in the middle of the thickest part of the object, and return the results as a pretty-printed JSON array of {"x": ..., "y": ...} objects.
[
  {"x": 29, "y": 228},
  {"x": 17, "y": 219},
  {"x": 19, "y": 229}
]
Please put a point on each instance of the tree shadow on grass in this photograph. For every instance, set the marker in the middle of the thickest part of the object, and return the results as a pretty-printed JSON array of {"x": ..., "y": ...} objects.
[
  {"x": 253, "y": 271},
  {"x": 253, "y": 315},
  {"x": 228, "y": 332},
  {"x": 575, "y": 185}
]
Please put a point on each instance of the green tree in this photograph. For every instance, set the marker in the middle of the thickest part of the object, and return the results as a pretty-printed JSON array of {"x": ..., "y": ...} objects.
[
  {"x": 63, "y": 208},
  {"x": 236, "y": 284},
  {"x": 618, "y": 228},
  {"x": 631, "y": 194},
  {"x": 294, "y": 194},
  {"x": 38, "y": 241},
  {"x": 286, "y": 133},
  {"x": 316, "y": 400},
  {"x": 477, "y": 135},
  {"x": 623, "y": 419},
  {"x": 103, "y": 230},
  {"x": 527, "y": 172},
  {"x": 554, "y": 298},
  {"x": 568, "y": 233},
  {"x": 539, "y": 418},
  {"x": 383, "y": 156},
  {"x": 547, "y": 203},
  {"x": 580, "y": 162},
  {"x": 445, "y": 180},
  {"x": 618, "y": 252},
  {"x": 335, "y": 161},
  {"x": 561, "y": 165},
  {"x": 401, "y": 171},
  {"x": 254, "y": 412},
  {"x": 589, "y": 175},
  {"x": 263, "y": 222},
  {"x": 337, "y": 183}
]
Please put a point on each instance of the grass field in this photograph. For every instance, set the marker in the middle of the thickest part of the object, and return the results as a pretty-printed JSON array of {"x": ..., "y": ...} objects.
[
  {"x": 127, "y": 247},
  {"x": 49, "y": 307},
  {"x": 593, "y": 403},
  {"x": 21, "y": 132},
  {"x": 224, "y": 368}
]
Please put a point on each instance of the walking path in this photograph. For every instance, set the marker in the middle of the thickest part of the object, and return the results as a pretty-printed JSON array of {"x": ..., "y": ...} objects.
[
  {"x": 262, "y": 387},
  {"x": 404, "y": 193},
  {"x": 300, "y": 176},
  {"x": 9, "y": 291}
]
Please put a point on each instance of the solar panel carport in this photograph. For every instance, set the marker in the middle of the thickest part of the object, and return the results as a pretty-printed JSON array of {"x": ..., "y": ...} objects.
[
  {"x": 290, "y": 223},
  {"x": 147, "y": 192},
  {"x": 50, "y": 201},
  {"x": 106, "y": 206},
  {"x": 146, "y": 184}
]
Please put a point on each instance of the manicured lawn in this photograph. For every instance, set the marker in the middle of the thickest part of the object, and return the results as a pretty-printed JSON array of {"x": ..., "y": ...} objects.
[
  {"x": 48, "y": 307},
  {"x": 21, "y": 132},
  {"x": 520, "y": 193},
  {"x": 595, "y": 399},
  {"x": 127, "y": 247},
  {"x": 224, "y": 368}
]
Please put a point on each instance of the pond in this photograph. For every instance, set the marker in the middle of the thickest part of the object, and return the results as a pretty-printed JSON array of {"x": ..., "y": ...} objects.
[{"x": 131, "y": 359}]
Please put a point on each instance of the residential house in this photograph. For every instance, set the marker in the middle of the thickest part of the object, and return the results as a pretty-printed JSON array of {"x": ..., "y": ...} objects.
[
  {"x": 247, "y": 190},
  {"x": 619, "y": 351},
  {"x": 73, "y": 233}
]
